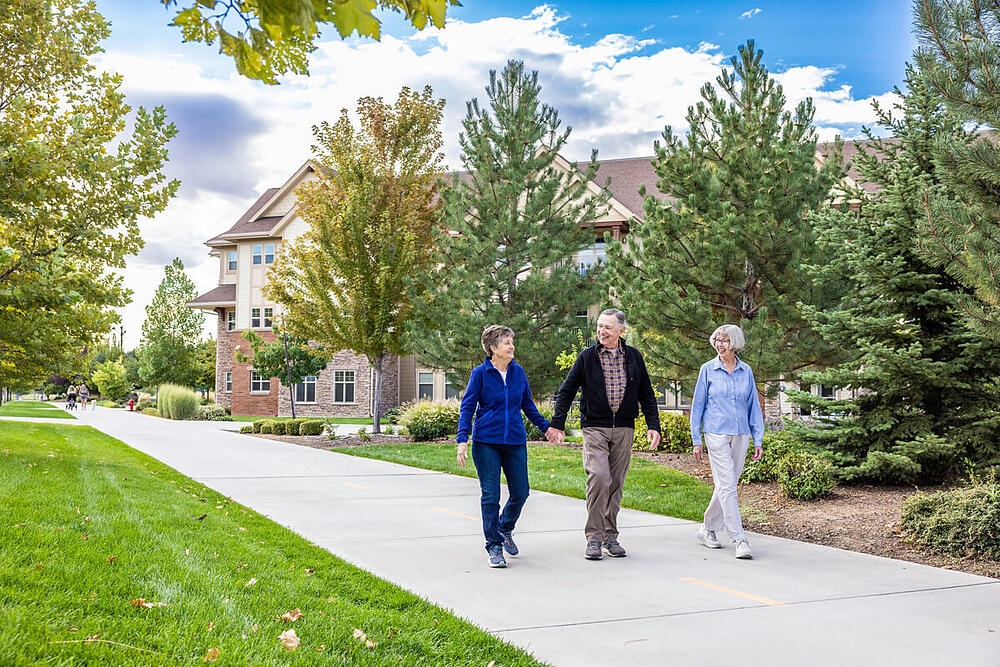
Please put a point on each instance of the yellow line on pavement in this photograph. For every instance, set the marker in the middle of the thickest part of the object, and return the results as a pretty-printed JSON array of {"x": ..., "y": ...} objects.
[
  {"x": 360, "y": 486},
  {"x": 464, "y": 516},
  {"x": 748, "y": 596}
]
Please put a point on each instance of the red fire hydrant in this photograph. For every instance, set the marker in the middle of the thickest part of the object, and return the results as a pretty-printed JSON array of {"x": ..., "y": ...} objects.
[{"x": 131, "y": 404}]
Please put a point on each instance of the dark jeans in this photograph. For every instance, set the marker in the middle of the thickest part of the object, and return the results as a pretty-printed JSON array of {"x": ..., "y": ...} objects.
[{"x": 490, "y": 460}]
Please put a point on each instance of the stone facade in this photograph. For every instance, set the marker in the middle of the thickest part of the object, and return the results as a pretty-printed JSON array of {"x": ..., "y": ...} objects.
[{"x": 324, "y": 406}]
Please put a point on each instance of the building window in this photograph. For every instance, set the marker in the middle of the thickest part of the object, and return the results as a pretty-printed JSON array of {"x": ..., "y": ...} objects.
[
  {"x": 827, "y": 391},
  {"x": 343, "y": 386},
  {"x": 258, "y": 255},
  {"x": 229, "y": 382},
  {"x": 231, "y": 266},
  {"x": 589, "y": 257},
  {"x": 425, "y": 386},
  {"x": 231, "y": 320},
  {"x": 268, "y": 253},
  {"x": 450, "y": 390},
  {"x": 306, "y": 391},
  {"x": 259, "y": 384},
  {"x": 268, "y": 315},
  {"x": 255, "y": 318}
]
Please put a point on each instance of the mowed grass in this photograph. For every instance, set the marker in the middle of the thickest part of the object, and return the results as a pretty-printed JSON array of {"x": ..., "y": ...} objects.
[
  {"x": 33, "y": 409},
  {"x": 89, "y": 525},
  {"x": 649, "y": 487}
]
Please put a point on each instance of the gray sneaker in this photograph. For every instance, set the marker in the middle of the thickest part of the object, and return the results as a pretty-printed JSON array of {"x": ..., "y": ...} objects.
[
  {"x": 743, "y": 550},
  {"x": 614, "y": 549},
  {"x": 508, "y": 544},
  {"x": 593, "y": 551},
  {"x": 496, "y": 556},
  {"x": 708, "y": 538}
]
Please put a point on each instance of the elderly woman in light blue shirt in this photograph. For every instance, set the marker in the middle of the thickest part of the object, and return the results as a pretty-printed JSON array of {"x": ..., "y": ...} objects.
[{"x": 726, "y": 410}]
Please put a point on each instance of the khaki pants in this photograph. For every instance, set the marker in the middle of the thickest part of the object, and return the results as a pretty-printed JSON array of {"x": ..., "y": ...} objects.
[
  {"x": 606, "y": 455},
  {"x": 726, "y": 454}
]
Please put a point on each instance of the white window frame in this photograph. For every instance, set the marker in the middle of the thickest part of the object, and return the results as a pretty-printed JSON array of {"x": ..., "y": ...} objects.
[
  {"x": 255, "y": 318},
  {"x": 257, "y": 253},
  {"x": 341, "y": 381},
  {"x": 229, "y": 382},
  {"x": 594, "y": 254},
  {"x": 450, "y": 388},
  {"x": 232, "y": 261},
  {"x": 268, "y": 317},
  {"x": 424, "y": 384},
  {"x": 303, "y": 389},
  {"x": 269, "y": 253},
  {"x": 231, "y": 320},
  {"x": 263, "y": 384}
]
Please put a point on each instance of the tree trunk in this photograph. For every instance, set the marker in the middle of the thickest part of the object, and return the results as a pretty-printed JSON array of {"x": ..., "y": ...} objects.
[
  {"x": 288, "y": 374},
  {"x": 377, "y": 417},
  {"x": 748, "y": 289}
]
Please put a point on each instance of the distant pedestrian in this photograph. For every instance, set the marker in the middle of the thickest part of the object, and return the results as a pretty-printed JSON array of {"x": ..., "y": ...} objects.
[
  {"x": 496, "y": 396},
  {"x": 84, "y": 394},
  {"x": 71, "y": 397},
  {"x": 726, "y": 410},
  {"x": 614, "y": 383}
]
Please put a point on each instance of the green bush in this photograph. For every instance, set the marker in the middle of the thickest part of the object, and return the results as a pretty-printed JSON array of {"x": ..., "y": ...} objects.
[
  {"x": 426, "y": 420},
  {"x": 805, "y": 476},
  {"x": 272, "y": 426},
  {"x": 311, "y": 427},
  {"x": 257, "y": 424},
  {"x": 109, "y": 404},
  {"x": 145, "y": 403},
  {"x": 111, "y": 381},
  {"x": 176, "y": 402},
  {"x": 247, "y": 428},
  {"x": 776, "y": 445},
  {"x": 534, "y": 434},
  {"x": 389, "y": 430},
  {"x": 392, "y": 415},
  {"x": 675, "y": 434},
  {"x": 364, "y": 435},
  {"x": 963, "y": 521},
  {"x": 152, "y": 412},
  {"x": 292, "y": 426},
  {"x": 211, "y": 412}
]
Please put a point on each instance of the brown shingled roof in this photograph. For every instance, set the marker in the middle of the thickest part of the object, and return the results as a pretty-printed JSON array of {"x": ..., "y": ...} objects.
[
  {"x": 244, "y": 224},
  {"x": 627, "y": 175},
  {"x": 221, "y": 295}
]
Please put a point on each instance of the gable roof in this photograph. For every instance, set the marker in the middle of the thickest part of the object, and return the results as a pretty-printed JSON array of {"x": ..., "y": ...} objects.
[
  {"x": 247, "y": 224},
  {"x": 223, "y": 295}
]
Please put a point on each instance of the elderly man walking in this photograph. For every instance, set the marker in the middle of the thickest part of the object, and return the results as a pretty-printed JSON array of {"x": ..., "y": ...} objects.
[{"x": 615, "y": 382}]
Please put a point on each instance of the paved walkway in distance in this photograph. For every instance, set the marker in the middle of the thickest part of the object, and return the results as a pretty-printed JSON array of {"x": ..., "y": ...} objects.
[{"x": 670, "y": 602}]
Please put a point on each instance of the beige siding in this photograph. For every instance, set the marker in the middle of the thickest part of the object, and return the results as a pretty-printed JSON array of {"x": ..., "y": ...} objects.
[{"x": 407, "y": 379}]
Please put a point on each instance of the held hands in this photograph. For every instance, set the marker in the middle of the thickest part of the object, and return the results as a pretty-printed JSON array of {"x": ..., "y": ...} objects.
[
  {"x": 654, "y": 439},
  {"x": 463, "y": 451},
  {"x": 555, "y": 436},
  {"x": 757, "y": 453}
]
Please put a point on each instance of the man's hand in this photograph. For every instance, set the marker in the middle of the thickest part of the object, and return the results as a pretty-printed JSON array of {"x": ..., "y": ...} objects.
[
  {"x": 757, "y": 453},
  {"x": 654, "y": 439},
  {"x": 697, "y": 453},
  {"x": 555, "y": 436},
  {"x": 463, "y": 451}
]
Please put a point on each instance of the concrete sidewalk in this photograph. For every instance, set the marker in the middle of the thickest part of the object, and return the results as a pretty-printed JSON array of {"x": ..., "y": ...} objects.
[{"x": 671, "y": 602}]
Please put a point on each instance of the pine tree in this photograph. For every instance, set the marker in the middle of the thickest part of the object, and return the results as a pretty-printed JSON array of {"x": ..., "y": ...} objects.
[
  {"x": 924, "y": 385},
  {"x": 171, "y": 331},
  {"x": 510, "y": 227},
  {"x": 961, "y": 55},
  {"x": 727, "y": 243}
]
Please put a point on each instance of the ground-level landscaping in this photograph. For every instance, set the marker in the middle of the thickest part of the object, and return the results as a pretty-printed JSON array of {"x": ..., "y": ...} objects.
[
  {"x": 33, "y": 409},
  {"x": 111, "y": 557},
  {"x": 332, "y": 420}
]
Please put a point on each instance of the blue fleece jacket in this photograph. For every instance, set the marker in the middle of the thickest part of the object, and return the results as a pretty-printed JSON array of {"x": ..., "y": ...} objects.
[{"x": 497, "y": 406}]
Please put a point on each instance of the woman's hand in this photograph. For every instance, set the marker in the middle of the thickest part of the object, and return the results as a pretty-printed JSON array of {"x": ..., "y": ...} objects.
[
  {"x": 757, "y": 453},
  {"x": 463, "y": 451},
  {"x": 697, "y": 453}
]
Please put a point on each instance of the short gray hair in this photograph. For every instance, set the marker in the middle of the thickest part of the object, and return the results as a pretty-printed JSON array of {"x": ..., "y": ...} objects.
[
  {"x": 492, "y": 335},
  {"x": 617, "y": 313},
  {"x": 737, "y": 341}
]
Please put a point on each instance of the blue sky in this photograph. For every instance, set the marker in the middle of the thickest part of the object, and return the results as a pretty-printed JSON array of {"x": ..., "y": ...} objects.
[{"x": 617, "y": 73}]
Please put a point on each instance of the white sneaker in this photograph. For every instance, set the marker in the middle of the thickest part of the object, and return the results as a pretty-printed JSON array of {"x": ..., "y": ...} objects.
[
  {"x": 708, "y": 538},
  {"x": 743, "y": 549}
]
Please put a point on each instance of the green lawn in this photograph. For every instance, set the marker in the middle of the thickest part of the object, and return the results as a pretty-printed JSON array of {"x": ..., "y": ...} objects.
[
  {"x": 33, "y": 409},
  {"x": 649, "y": 487},
  {"x": 334, "y": 420},
  {"x": 89, "y": 525}
]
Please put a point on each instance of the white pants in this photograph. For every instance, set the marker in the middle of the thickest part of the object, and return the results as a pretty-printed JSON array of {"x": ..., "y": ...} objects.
[{"x": 726, "y": 454}]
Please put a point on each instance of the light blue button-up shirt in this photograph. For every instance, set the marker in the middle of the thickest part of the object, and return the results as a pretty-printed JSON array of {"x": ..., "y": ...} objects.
[{"x": 726, "y": 403}]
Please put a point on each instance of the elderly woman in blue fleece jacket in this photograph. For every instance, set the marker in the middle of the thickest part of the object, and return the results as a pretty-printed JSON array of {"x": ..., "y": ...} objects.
[
  {"x": 726, "y": 409},
  {"x": 496, "y": 395}
]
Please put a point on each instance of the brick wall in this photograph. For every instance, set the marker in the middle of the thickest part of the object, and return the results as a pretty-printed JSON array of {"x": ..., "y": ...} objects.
[
  {"x": 324, "y": 405},
  {"x": 241, "y": 401}
]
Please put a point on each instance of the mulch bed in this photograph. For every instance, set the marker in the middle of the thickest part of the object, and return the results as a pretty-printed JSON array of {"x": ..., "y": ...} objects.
[{"x": 857, "y": 518}]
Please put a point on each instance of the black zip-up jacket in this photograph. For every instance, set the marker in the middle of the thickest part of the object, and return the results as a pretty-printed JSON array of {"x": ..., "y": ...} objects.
[{"x": 588, "y": 374}]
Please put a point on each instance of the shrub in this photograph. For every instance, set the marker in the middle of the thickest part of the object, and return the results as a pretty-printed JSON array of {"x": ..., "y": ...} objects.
[
  {"x": 257, "y": 424},
  {"x": 675, "y": 433},
  {"x": 145, "y": 403},
  {"x": 311, "y": 427},
  {"x": 776, "y": 445},
  {"x": 388, "y": 430},
  {"x": 963, "y": 521},
  {"x": 152, "y": 412},
  {"x": 210, "y": 412},
  {"x": 271, "y": 426},
  {"x": 804, "y": 476},
  {"x": 247, "y": 428},
  {"x": 426, "y": 420},
  {"x": 547, "y": 410},
  {"x": 292, "y": 426},
  {"x": 223, "y": 418},
  {"x": 176, "y": 402},
  {"x": 110, "y": 379},
  {"x": 392, "y": 415},
  {"x": 109, "y": 404},
  {"x": 364, "y": 435}
]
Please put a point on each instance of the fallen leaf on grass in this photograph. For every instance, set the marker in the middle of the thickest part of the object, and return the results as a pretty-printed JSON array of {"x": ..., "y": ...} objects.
[
  {"x": 309, "y": 571},
  {"x": 255, "y": 627},
  {"x": 242, "y": 529},
  {"x": 359, "y": 634},
  {"x": 253, "y": 580},
  {"x": 291, "y": 615},
  {"x": 289, "y": 640},
  {"x": 240, "y": 566},
  {"x": 370, "y": 644},
  {"x": 141, "y": 602},
  {"x": 393, "y": 632},
  {"x": 187, "y": 552},
  {"x": 93, "y": 638},
  {"x": 322, "y": 647},
  {"x": 330, "y": 599},
  {"x": 212, "y": 655},
  {"x": 202, "y": 517},
  {"x": 93, "y": 596},
  {"x": 111, "y": 559},
  {"x": 40, "y": 566},
  {"x": 491, "y": 663},
  {"x": 210, "y": 626}
]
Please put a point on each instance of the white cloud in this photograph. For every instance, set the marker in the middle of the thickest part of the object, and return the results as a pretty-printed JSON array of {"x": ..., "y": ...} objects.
[
  {"x": 750, "y": 13},
  {"x": 617, "y": 93}
]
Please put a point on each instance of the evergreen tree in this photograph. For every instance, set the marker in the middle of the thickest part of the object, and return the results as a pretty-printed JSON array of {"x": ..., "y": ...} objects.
[
  {"x": 510, "y": 227},
  {"x": 961, "y": 55},
  {"x": 728, "y": 242},
  {"x": 171, "y": 331},
  {"x": 924, "y": 385}
]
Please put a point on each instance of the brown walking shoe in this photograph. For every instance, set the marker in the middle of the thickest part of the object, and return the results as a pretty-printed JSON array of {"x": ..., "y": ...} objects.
[{"x": 593, "y": 551}]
